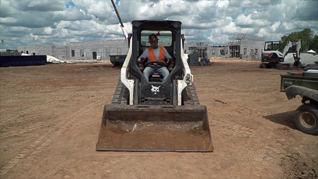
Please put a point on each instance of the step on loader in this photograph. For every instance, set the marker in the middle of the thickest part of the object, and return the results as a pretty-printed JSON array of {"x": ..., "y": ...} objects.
[{"x": 155, "y": 115}]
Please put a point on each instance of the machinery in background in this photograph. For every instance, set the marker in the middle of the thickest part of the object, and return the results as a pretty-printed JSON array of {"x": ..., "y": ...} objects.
[{"x": 272, "y": 57}]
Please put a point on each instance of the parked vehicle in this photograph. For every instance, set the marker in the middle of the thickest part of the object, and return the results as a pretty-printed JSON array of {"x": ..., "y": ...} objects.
[
  {"x": 272, "y": 57},
  {"x": 306, "y": 85}
]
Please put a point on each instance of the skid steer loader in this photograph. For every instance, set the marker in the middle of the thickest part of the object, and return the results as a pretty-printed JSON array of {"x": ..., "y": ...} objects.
[{"x": 155, "y": 115}]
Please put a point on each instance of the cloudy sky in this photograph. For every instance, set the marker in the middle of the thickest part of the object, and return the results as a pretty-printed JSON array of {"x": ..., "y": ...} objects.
[{"x": 216, "y": 22}]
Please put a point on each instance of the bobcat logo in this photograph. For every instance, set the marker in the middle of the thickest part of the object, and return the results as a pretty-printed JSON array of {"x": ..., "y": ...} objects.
[{"x": 155, "y": 89}]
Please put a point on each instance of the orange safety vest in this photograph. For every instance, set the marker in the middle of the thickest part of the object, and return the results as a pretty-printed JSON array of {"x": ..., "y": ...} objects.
[{"x": 152, "y": 56}]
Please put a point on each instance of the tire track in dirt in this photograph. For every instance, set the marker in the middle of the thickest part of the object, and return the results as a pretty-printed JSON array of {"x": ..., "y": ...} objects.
[
  {"x": 8, "y": 125},
  {"x": 45, "y": 140},
  {"x": 17, "y": 132},
  {"x": 12, "y": 122},
  {"x": 10, "y": 119},
  {"x": 261, "y": 153},
  {"x": 235, "y": 129}
]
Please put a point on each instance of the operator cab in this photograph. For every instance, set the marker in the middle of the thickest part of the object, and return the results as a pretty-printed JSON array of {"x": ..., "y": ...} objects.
[
  {"x": 166, "y": 40},
  {"x": 272, "y": 45},
  {"x": 155, "y": 91}
]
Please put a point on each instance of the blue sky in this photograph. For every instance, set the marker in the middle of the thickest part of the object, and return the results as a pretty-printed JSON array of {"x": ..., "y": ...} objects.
[
  {"x": 69, "y": 4},
  {"x": 215, "y": 22}
]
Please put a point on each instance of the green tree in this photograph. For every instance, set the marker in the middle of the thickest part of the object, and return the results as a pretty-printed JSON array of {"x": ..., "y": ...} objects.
[
  {"x": 284, "y": 40},
  {"x": 306, "y": 36},
  {"x": 314, "y": 44}
]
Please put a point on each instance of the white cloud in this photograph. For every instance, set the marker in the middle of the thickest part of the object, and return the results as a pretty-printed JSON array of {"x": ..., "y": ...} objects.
[
  {"x": 8, "y": 20},
  {"x": 288, "y": 26},
  {"x": 243, "y": 20},
  {"x": 210, "y": 21},
  {"x": 275, "y": 26},
  {"x": 48, "y": 30},
  {"x": 82, "y": 11},
  {"x": 35, "y": 37},
  {"x": 222, "y": 3}
]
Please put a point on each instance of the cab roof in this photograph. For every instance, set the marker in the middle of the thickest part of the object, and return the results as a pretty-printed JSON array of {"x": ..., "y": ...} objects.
[{"x": 156, "y": 24}]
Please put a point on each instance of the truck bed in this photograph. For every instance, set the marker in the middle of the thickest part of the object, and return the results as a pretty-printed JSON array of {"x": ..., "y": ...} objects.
[{"x": 310, "y": 82}]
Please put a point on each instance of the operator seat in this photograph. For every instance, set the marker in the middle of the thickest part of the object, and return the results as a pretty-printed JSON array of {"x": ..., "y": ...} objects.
[{"x": 155, "y": 77}]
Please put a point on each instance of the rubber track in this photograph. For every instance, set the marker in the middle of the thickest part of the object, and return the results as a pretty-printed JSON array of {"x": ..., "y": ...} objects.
[
  {"x": 190, "y": 96},
  {"x": 121, "y": 94}
]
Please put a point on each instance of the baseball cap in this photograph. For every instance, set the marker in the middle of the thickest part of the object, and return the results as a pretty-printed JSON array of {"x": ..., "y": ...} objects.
[{"x": 152, "y": 37}]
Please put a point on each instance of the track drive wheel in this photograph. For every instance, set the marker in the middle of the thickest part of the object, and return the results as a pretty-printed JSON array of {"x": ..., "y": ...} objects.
[
  {"x": 307, "y": 118},
  {"x": 264, "y": 65},
  {"x": 279, "y": 66}
]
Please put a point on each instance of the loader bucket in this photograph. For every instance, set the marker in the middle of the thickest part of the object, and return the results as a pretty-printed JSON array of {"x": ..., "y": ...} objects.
[{"x": 154, "y": 128}]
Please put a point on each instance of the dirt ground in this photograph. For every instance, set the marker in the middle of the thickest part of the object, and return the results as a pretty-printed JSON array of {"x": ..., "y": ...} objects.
[{"x": 50, "y": 118}]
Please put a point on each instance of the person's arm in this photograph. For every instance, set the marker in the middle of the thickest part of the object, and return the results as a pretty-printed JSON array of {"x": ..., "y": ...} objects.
[
  {"x": 144, "y": 55},
  {"x": 168, "y": 57}
]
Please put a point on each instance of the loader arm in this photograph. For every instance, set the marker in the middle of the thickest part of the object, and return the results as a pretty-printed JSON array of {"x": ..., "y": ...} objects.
[
  {"x": 290, "y": 44},
  {"x": 187, "y": 78},
  {"x": 124, "y": 74}
]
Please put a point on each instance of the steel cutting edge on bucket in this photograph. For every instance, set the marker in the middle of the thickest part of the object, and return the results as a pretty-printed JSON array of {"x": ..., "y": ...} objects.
[{"x": 154, "y": 128}]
